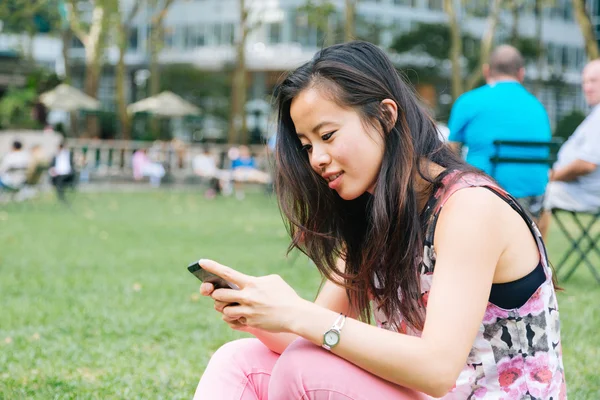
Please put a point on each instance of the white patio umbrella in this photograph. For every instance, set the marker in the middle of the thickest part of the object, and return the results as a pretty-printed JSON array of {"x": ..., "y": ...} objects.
[
  {"x": 67, "y": 98},
  {"x": 165, "y": 104}
]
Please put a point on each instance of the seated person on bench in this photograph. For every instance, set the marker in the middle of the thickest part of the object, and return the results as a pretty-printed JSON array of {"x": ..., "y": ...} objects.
[
  {"x": 244, "y": 168},
  {"x": 13, "y": 168},
  {"x": 575, "y": 178},
  {"x": 504, "y": 110}
]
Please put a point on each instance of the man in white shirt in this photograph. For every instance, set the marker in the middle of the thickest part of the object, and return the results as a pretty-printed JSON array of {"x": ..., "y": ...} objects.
[
  {"x": 575, "y": 177},
  {"x": 13, "y": 168}
]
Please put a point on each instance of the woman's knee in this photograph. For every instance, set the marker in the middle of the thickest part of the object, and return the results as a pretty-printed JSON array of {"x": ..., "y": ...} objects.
[
  {"x": 306, "y": 371},
  {"x": 301, "y": 365},
  {"x": 241, "y": 349}
]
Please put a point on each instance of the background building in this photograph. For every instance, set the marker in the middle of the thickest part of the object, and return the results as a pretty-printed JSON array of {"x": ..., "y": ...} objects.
[{"x": 202, "y": 34}]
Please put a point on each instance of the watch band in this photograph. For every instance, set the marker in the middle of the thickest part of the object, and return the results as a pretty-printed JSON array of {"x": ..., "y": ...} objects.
[
  {"x": 339, "y": 322},
  {"x": 337, "y": 328}
]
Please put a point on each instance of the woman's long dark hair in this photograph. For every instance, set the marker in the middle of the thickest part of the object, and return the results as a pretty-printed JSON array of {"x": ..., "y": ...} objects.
[{"x": 379, "y": 236}]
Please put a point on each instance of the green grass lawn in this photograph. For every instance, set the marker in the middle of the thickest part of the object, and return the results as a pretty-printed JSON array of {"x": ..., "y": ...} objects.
[{"x": 97, "y": 303}]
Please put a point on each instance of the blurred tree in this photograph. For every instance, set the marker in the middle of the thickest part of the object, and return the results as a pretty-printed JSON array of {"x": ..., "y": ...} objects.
[
  {"x": 124, "y": 23},
  {"x": 207, "y": 89},
  {"x": 93, "y": 35},
  {"x": 567, "y": 125},
  {"x": 238, "y": 131},
  {"x": 320, "y": 14},
  {"x": 14, "y": 108},
  {"x": 157, "y": 31},
  {"x": 587, "y": 29},
  {"x": 456, "y": 49},
  {"x": 475, "y": 74},
  {"x": 538, "y": 12},
  {"x": 30, "y": 17},
  {"x": 350, "y": 13},
  {"x": 17, "y": 103}
]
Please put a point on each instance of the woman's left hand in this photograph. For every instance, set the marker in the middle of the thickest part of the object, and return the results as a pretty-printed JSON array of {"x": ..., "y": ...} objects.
[{"x": 266, "y": 302}]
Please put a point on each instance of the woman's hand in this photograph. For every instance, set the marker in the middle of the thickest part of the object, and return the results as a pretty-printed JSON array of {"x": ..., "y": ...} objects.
[
  {"x": 206, "y": 289},
  {"x": 266, "y": 303}
]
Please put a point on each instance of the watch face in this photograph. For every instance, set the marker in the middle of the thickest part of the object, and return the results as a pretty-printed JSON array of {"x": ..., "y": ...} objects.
[{"x": 331, "y": 338}]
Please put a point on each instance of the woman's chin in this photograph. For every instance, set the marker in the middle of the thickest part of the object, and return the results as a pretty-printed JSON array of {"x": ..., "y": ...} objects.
[{"x": 348, "y": 195}]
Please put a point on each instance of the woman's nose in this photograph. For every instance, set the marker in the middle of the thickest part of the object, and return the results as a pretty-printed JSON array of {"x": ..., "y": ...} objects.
[{"x": 319, "y": 160}]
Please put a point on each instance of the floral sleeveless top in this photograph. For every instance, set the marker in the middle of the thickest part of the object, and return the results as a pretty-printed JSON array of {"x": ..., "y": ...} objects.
[{"x": 517, "y": 352}]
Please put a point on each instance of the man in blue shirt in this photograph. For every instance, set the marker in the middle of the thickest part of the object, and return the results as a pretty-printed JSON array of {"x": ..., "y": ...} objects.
[{"x": 504, "y": 110}]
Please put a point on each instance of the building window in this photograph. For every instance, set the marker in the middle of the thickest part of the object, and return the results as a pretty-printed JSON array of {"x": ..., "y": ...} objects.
[
  {"x": 169, "y": 37},
  {"x": 76, "y": 43},
  {"x": 551, "y": 55},
  {"x": 218, "y": 33},
  {"x": 189, "y": 41},
  {"x": 133, "y": 38},
  {"x": 199, "y": 37},
  {"x": 274, "y": 33},
  {"x": 579, "y": 58},
  {"x": 227, "y": 33},
  {"x": 564, "y": 57},
  {"x": 435, "y": 4},
  {"x": 406, "y": 3}
]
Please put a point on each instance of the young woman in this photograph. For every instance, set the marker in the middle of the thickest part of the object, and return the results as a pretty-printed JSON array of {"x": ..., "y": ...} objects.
[{"x": 450, "y": 266}]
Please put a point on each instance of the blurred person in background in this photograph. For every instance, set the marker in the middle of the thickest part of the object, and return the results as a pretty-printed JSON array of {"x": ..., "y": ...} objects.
[
  {"x": 38, "y": 162},
  {"x": 204, "y": 165},
  {"x": 13, "y": 168},
  {"x": 575, "y": 177},
  {"x": 62, "y": 171},
  {"x": 143, "y": 166},
  {"x": 504, "y": 110},
  {"x": 244, "y": 169}
]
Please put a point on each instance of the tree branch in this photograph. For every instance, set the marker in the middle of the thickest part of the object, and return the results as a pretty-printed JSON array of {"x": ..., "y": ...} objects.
[
  {"x": 75, "y": 22},
  {"x": 486, "y": 45},
  {"x": 133, "y": 12},
  {"x": 587, "y": 30},
  {"x": 158, "y": 18}
]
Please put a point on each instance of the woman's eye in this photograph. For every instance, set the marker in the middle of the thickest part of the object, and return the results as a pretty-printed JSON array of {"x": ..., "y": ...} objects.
[
  {"x": 327, "y": 136},
  {"x": 307, "y": 148}
]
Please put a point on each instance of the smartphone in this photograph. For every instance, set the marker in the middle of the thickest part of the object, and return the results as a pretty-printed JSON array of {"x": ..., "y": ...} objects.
[{"x": 205, "y": 276}]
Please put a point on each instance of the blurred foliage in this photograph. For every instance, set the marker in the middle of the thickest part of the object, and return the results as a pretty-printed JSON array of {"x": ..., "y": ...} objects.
[
  {"x": 567, "y": 124},
  {"x": 432, "y": 41},
  {"x": 17, "y": 103},
  {"x": 30, "y": 16},
  {"x": 15, "y": 107},
  {"x": 210, "y": 90}
]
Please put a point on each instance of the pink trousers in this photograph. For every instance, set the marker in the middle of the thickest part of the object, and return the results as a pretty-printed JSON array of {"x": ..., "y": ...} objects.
[{"x": 247, "y": 370}]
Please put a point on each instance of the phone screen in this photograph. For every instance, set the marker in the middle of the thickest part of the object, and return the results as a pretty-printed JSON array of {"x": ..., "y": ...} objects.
[{"x": 205, "y": 276}]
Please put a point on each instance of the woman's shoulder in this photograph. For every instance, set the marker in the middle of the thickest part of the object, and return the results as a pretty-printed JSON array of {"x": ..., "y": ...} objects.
[{"x": 456, "y": 180}]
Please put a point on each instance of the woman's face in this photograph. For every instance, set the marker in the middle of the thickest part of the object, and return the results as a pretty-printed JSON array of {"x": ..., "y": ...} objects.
[{"x": 342, "y": 149}]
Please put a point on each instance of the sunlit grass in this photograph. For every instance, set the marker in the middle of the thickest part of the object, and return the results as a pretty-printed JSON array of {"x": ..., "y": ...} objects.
[{"x": 97, "y": 302}]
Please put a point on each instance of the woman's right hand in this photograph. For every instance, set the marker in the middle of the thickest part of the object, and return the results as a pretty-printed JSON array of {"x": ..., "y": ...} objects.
[{"x": 206, "y": 289}]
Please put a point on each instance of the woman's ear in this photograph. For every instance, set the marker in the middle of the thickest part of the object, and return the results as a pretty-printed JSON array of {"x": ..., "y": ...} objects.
[{"x": 389, "y": 108}]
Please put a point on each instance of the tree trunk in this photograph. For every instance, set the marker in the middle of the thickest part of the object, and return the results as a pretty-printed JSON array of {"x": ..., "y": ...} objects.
[
  {"x": 587, "y": 30},
  {"x": 120, "y": 78},
  {"x": 67, "y": 37},
  {"x": 156, "y": 45},
  {"x": 238, "y": 131},
  {"x": 515, "y": 10},
  {"x": 486, "y": 45},
  {"x": 154, "y": 84},
  {"x": 93, "y": 70},
  {"x": 350, "y": 14},
  {"x": 539, "y": 44},
  {"x": 456, "y": 49}
]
